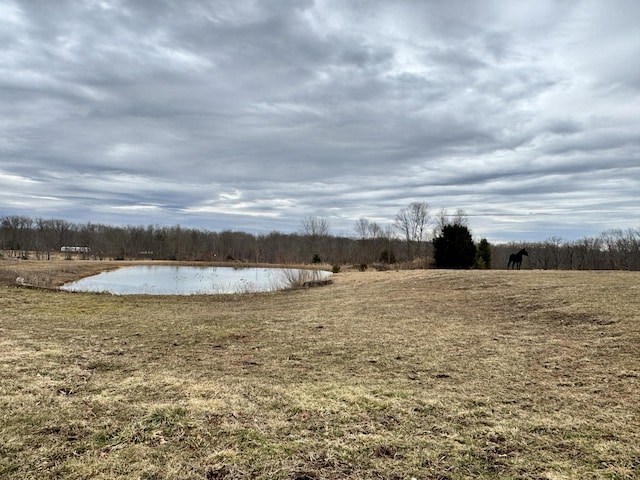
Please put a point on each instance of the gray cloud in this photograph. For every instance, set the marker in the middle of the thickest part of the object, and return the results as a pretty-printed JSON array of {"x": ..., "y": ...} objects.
[{"x": 252, "y": 115}]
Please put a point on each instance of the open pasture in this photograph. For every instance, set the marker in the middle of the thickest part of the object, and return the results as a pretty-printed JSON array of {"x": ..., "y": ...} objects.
[{"x": 395, "y": 375}]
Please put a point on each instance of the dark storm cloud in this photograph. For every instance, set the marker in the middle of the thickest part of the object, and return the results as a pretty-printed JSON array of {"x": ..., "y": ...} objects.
[{"x": 252, "y": 115}]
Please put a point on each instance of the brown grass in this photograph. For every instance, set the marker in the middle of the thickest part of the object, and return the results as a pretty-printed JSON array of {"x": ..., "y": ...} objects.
[{"x": 425, "y": 374}]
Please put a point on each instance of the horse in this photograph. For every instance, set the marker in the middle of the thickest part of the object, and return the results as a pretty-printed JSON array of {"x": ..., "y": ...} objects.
[{"x": 515, "y": 259}]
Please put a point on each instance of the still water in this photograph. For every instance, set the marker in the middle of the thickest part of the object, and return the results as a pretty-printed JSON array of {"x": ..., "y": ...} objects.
[{"x": 180, "y": 280}]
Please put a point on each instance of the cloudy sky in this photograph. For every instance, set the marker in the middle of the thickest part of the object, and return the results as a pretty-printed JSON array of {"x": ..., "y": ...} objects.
[{"x": 252, "y": 115}]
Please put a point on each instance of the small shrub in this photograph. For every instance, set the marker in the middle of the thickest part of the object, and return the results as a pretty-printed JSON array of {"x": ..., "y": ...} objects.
[
  {"x": 480, "y": 264},
  {"x": 387, "y": 257},
  {"x": 296, "y": 278},
  {"x": 335, "y": 268}
]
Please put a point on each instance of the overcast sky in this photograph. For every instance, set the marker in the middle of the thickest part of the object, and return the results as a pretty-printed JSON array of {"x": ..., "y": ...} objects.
[{"x": 252, "y": 115}]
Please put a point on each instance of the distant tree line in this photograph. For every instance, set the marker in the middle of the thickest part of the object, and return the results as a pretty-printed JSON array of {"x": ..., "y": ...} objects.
[
  {"x": 22, "y": 236},
  {"x": 616, "y": 249},
  {"x": 414, "y": 240}
]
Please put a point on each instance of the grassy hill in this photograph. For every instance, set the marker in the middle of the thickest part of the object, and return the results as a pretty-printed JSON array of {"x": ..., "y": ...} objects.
[{"x": 424, "y": 374}]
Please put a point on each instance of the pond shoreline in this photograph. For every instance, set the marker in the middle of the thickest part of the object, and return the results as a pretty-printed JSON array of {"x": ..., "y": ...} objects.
[
  {"x": 52, "y": 274},
  {"x": 195, "y": 280}
]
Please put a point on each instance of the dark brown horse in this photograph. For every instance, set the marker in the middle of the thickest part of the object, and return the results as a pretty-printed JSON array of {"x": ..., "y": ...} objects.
[{"x": 515, "y": 259}]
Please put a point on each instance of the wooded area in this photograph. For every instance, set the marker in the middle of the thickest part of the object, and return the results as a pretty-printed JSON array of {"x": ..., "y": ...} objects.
[{"x": 39, "y": 238}]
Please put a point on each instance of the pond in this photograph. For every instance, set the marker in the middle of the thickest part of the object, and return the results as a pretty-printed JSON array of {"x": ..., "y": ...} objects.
[{"x": 181, "y": 280}]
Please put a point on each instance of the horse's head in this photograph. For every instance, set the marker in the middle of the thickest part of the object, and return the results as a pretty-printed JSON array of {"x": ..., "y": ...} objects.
[{"x": 524, "y": 252}]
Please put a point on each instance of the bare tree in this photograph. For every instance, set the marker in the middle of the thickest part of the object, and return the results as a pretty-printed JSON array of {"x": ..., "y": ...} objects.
[
  {"x": 458, "y": 219},
  {"x": 362, "y": 228},
  {"x": 412, "y": 222},
  {"x": 623, "y": 248},
  {"x": 315, "y": 226},
  {"x": 369, "y": 236},
  {"x": 376, "y": 233},
  {"x": 588, "y": 253},
  {"x": 314, "y": 229},
  {"x": 362, "y": 232},
  {"x": 555, "y": 246},
  {"x": 388, "y": 237},
  {"x": 18, "y": 233}
]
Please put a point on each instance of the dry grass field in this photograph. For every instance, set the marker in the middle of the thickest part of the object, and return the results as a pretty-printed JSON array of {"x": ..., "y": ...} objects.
[{"x": 393, "y": 375}]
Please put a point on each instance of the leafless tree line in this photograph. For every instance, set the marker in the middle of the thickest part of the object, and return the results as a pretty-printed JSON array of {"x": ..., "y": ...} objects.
[
  {"x": 404, "y": 241},
  {"x": 617, "y": 249},
  {"x": 25, "y": 237}
]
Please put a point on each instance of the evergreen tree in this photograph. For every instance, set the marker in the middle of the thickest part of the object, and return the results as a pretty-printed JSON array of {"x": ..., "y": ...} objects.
[
  {"x": 454, "y": 247},
  {"x": 483, "y": 257}
]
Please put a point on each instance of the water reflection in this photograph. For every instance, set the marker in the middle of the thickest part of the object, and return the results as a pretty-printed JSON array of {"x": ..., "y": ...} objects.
[{"x": 181, "y": 280}]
